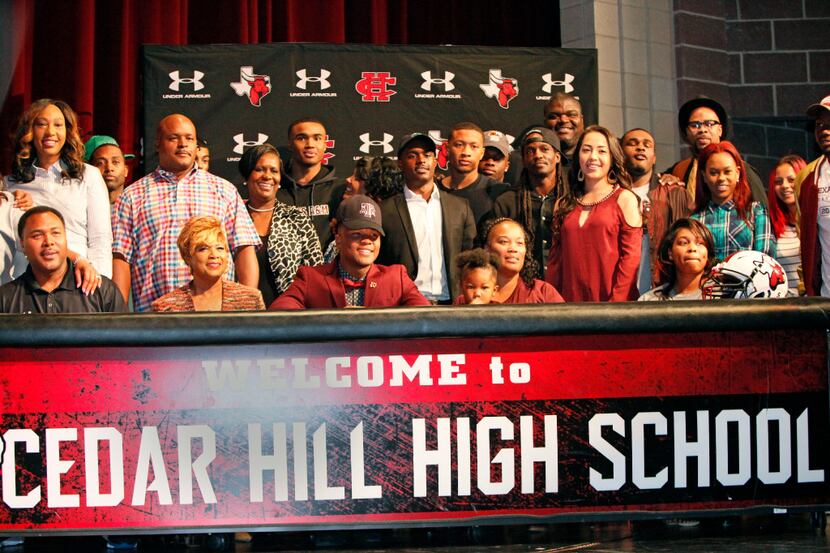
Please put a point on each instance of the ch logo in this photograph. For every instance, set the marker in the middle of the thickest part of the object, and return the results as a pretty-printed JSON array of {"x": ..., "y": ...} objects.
[
  {"x": 368, "y": 143},
  {"x": 550, "y": 83},
  {"x": 302, "y": 74},
  {"x": 446, "y": 81},
  {"x": 177, "y": 80},
  {"x": 241, "y": 143},
  {"x": 374, "y": 86}
]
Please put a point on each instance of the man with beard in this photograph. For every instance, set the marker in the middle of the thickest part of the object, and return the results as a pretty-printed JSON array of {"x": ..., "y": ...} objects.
[
  {"x": 661, "y": 204},
  {"x": 812, "y": 186},
  {"x": 352, "y": 279},
  {"x": 306, "y": 181},
  {"x": 465, "y": 149},
  {"x": 541, "y": 183},
  {"x": 703, "y": 121},
  {"x": 104, "y": 153},
  {"x": 424, "y": 227}
]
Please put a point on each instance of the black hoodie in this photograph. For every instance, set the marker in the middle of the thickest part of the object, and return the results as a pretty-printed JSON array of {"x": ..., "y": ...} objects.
[{"x": 319, "y": 198}]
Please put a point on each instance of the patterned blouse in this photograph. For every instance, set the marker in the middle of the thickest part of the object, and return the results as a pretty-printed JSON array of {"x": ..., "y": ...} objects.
[
  {"x": 733, "y": 234},
  {"x": 235, "y": 297},
  {"x": 292, "y": 241}
]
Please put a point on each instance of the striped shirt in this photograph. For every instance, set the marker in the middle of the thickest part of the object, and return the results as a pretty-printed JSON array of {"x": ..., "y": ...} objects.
[
  {"x": 789, "y": 256},
  {"x": 732, "y": 234},
  {"x": 149, "y": 215}
]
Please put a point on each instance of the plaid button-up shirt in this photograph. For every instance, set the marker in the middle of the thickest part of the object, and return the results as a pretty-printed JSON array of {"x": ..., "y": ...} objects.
[
  {"x": 733, "y": 234},
  {"x": 147, "y": 219}
]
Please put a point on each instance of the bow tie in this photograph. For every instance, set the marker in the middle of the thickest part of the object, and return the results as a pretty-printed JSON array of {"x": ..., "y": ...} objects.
[{"x": 350, "y": 283}]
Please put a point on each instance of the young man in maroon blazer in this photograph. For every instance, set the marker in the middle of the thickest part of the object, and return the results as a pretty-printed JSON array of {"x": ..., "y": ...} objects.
[{"x": 352, "y": 279}]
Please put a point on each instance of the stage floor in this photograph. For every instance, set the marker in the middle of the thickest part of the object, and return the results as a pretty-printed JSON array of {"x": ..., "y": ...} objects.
[{"x": 779, "y": 534}]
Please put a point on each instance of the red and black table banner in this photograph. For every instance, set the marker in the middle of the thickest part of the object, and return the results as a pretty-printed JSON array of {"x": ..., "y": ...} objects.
[{"x": 403, "y": 431}]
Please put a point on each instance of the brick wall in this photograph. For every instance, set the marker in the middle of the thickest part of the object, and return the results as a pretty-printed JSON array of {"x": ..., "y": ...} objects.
[{"x": 764, "y": 60}]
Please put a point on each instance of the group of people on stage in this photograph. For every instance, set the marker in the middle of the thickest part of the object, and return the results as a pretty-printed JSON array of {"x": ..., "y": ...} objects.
[{"x": 572, "y": 214}]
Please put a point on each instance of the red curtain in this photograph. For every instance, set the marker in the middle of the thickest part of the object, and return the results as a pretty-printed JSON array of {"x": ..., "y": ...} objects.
[{"x": 87, "y": 51}]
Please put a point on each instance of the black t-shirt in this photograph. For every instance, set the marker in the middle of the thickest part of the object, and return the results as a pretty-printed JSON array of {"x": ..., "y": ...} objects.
[
  {"x": 481, "y": 195},
  {"x": 24, "y": 295}
]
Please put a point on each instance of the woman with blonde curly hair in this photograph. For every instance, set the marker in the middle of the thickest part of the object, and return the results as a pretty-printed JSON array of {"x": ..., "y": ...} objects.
[
  {"x": 204, "y": 247},
  {"x": 49, "y": 165}
]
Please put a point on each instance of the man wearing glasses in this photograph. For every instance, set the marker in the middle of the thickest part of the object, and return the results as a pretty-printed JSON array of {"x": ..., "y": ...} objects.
[
  {"x": 703, "y": 121},
  {"x": 812, "y": 188}
]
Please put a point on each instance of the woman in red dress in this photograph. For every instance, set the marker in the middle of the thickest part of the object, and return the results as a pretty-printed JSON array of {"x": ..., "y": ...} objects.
[
  {"x": 597, "y": 226},
  {"x": 516, "y": 275}
]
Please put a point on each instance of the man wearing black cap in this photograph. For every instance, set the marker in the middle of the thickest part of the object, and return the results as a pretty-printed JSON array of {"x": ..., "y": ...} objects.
[
  {"x": 812, "y": 186},
  {"x": 103, "y": 152},
  {"x": 426, "y": 228},
  {"x": 352, "y": 279},
  {"x": 465, "y": 149},
  {"x": 540, "y": 185},
  {"x": 703, "y": 121}
]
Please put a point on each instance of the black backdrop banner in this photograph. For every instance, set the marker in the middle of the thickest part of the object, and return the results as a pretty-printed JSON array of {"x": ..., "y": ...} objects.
[{"x": 368, "y": 96}]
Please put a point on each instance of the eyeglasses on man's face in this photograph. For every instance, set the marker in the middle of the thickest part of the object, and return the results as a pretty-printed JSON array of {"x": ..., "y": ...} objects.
[{"x": 696, "y": 125}]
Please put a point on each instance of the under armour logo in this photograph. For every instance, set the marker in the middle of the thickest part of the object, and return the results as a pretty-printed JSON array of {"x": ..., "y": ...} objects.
[
  {"x": 305, "y": 79},
  {"x": 550, "y": 83},
  {"x": 374, "y": 87},
  {"x": 446, "y": 81},
  {"x": 196, "y": 80},
  {"x": 368, "y": 143},
  {"x": 241, "y": 143}
]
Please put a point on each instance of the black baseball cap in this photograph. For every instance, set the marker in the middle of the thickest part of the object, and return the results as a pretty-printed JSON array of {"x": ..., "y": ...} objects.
[
  {"x": 422, "y": 138},
  {"x": 359, "y": 212},
  {"x": 545, "y": 135},
  {"x": 702, "y": 102}
]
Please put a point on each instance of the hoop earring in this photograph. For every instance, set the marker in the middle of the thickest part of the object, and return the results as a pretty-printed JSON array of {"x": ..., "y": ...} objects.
[
  {"x": 580, "y": 176},
  {"x": 612, "y": 176}
]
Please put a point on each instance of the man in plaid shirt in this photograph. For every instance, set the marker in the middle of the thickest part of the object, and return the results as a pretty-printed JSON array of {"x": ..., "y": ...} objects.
[{"x": 149, "y": 215}]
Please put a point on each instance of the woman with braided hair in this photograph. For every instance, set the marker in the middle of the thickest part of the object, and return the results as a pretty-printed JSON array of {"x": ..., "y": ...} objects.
[{"x": 597, "y": 226}]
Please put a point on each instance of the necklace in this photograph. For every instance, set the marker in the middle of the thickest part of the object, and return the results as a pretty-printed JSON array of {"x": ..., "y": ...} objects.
[
  {"x": 599, "y": 201},
  {"x": 258, "y": 210}
]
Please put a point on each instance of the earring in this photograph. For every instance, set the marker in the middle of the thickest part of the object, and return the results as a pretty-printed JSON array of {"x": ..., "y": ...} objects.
[
  {"x": 580, "y": 176},
  {"x": 612, "y": 176}
]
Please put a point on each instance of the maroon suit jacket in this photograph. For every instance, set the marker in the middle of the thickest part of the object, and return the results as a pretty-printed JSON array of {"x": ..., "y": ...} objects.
[{"x": 320, "y": 287}]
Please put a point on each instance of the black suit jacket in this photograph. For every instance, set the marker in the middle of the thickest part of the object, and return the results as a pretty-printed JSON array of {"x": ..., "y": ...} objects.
[{"x": 458, "y": 226}]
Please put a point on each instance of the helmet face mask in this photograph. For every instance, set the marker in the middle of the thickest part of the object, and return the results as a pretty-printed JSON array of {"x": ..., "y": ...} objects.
[{"x": 746, "y": 275}]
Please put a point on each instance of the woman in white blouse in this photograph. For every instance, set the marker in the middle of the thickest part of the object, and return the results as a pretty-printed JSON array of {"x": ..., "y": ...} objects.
[
  {"x": 48, "y": 164},
  {"x": 784, "y": 215}
]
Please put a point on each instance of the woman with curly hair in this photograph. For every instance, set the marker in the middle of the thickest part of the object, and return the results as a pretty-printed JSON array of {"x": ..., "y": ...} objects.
[
  {"x": 49, "y": 165},
  {"x": 725, "y": 204},
  {"x": 784, "y": 215},
  {"x": 516, "y": 279},
  {"x": 683, "y": 260},
  {"x": 597, "y": 226}
]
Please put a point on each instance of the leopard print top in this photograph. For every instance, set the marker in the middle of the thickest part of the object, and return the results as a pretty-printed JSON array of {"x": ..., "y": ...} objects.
[{"x": 292, "y": 241}]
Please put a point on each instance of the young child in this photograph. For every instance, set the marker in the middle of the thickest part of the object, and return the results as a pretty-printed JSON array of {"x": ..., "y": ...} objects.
[{"x": 478, "y": 269}]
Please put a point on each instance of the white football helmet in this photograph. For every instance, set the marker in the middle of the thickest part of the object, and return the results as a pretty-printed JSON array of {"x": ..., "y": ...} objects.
[{"x": 745, "y": 275}]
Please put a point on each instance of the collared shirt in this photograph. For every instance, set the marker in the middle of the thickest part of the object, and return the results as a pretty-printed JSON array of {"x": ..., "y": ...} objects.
[
  {"x": 149, "y": 215},
  {"x": 427, "y": 220},
  {"x": 733, "y": 234},
  {"x": 823, "y": 186},
  {"x": 85, "y": 206},
  {"x": 355, "y": 295},
  {"x": 24, "y": 295},
  {"x": 9, "y": 217}
]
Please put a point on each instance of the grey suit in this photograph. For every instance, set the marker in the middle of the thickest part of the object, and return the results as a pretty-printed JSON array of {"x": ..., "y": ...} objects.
[{"x": 458, "y": 226}]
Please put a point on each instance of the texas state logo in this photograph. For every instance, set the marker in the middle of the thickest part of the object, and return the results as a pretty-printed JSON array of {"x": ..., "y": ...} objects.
[
  {"x": 503, "y": 89},
  {"x": 255, "y": 87}
]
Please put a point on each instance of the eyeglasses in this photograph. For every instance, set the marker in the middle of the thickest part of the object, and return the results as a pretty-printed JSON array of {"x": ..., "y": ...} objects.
[
  {"x": 568, "y": 114},
  {"x": 696, "y": 125}
]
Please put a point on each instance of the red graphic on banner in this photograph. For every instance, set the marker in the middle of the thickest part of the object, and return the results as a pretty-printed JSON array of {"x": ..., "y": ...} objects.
[
  {"x": 328, "y": 154},
  {"x": 254, "y": 86},
  {"x": 374, "y": 87},
  {"x": 503, "y": 89}
]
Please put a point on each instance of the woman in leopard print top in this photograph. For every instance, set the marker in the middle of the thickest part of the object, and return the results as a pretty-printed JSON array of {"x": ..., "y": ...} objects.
[{"x": 288, "y": 236}]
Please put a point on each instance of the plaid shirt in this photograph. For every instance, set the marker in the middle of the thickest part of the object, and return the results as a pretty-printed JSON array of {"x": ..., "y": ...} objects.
[
  {"x": 147, "y": 219},
  {"x": 355, "y": 295},
  {"x": 733, "y": 234}
]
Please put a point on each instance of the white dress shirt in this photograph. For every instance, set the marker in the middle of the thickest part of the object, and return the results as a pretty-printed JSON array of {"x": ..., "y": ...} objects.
[
  {"x": 427, "y": 224},
  {"x": 85, "y": 206}
]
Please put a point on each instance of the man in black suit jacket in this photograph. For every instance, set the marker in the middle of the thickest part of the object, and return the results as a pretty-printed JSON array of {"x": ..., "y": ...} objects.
[{"x": 445, "y": 224}]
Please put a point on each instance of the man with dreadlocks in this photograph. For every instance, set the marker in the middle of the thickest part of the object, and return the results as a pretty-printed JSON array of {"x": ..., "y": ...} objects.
[{"x": 541, "y": 183}]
